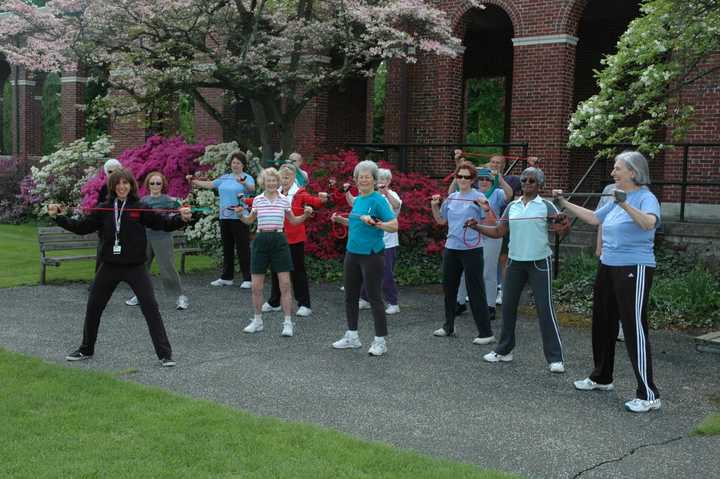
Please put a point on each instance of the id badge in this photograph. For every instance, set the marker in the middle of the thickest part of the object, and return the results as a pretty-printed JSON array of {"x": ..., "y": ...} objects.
[{"x": 117, "y": 249}]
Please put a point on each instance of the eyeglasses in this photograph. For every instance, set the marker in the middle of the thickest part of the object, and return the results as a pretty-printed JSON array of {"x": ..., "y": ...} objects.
[
  {"x": 528, "y": 180},
  {"x": 463, "y": 177},
  {"x": 484, "y": 179},
  {"x": 155, "y": 183}
]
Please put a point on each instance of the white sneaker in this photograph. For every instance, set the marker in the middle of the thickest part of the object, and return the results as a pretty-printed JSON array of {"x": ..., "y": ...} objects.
[
  {"x": 642, "y": 405},
  {"x": 222, "y": 282},
  {"x": 498, "y": 299},
  {"x": 349, "y": 341},
  {"x": 183, "y": 302},
  {"x": 588, "y": 384},
  {"x": 132, "y": 301},
  {"x": 441, "y": 333},
  {"x": 621, "y": 335},
  {"x": 392, "y": 309},
  {"x": 377, "y": 348},
  {"x": 493, "y": 357},
  {"x": 266, "y": 308},
  {"x": 342, "y": 288},
  {"x": 246, "y": 285},
  {"x": 255, "y": 326},
  {"x": 287, "y": 329},
  {"x": 487, "y": 340},
  {"x": 557, "y": 367},
  {"x": 303, "y": 311},
  {"x": 363, "y": 304}
]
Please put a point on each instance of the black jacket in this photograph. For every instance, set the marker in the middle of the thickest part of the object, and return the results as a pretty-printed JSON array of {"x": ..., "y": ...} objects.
[{"x": 132, "y": 230}]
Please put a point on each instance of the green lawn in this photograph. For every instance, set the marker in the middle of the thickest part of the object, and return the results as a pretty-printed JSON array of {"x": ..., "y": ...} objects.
[
  {"x": 710, "y": 426},
  {"x": 64, "y": 422},
  {"x": 20, "y": 260}
]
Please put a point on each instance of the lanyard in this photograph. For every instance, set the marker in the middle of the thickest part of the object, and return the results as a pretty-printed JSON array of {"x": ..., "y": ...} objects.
[{"x": 118, "y": 217}]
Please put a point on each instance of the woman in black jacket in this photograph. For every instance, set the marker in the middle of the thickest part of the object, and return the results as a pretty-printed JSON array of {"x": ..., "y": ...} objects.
[{"x": 121, "y": 222}]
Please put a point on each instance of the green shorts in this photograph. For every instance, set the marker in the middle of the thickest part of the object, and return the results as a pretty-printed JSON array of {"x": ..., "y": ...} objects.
[{"x": 270, "y": 249}]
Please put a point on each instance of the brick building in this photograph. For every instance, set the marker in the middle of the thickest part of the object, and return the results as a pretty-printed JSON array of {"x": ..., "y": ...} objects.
[{"x": 543, "y": 50}]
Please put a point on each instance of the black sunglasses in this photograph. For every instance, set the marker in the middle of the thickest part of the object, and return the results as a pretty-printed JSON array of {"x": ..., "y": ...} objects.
[
  {"x": 484, "y": 179},
  {"x": 463, "y": 177},
  {"x": 528, "y": 180},
  {"x": 155, "y": 183}
]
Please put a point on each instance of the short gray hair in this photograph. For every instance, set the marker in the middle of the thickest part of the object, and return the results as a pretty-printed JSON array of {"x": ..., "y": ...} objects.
[
  {"x": 111, "y": 164},
  {"x": 384, "y": 175},
  {"x": 294, "y": 156},
  {"x": 535, "y": 172},
  {"x": 638, "y": 164},
  {"x": 288, "y": 167},
  {"x": 366, "y": 165}
]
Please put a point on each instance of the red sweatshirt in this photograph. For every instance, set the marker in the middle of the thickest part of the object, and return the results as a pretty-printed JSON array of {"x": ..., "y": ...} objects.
[{"x": 296, "y": 233}]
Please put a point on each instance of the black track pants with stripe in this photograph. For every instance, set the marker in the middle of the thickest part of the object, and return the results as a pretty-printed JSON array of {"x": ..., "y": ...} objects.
[{"x": 621, "y": 295}]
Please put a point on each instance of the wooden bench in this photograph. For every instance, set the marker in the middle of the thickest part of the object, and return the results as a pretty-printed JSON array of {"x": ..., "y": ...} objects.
[{"x": 55, "y": 238}]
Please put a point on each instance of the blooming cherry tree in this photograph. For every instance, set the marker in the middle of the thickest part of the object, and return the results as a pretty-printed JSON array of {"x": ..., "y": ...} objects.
[{"x": 277, "y": 55}]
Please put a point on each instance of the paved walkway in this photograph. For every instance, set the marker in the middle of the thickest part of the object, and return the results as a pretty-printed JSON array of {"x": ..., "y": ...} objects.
[{"x": 434, "y": 395}]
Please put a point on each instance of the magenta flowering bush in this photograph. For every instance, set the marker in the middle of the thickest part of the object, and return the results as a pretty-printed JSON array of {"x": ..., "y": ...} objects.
[{"x": 171, "y": 156}]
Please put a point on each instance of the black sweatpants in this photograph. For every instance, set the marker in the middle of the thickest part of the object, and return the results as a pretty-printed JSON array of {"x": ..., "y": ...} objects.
[
  {"x": 456, "y": 261},
  {"x": 365, "y": 269},
  {"x": 235, "y": 236},
  {"x": 106, "y": 280},
  {"x": 298, "y": 276},
  {"x": 539, "y": 274},
  {"x": 621, "y": 294}
]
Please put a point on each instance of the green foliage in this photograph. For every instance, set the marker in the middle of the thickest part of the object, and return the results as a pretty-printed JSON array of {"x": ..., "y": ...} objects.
[
  {"x": 641, "y": 85},
  {"x": 51, "y": 120},
  {"x": 685, "y": 293},
  {"x": 379, "y": 90},
  {"x": 486, "y": 110},
  {"x": 186, "y": 111},
  {"x": 87, "y": 424}
]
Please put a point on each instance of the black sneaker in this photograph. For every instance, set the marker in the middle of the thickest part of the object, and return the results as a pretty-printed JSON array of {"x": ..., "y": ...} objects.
[
  {"x": 167, "y": 362},
  {"x": 77, "y": 355},
  {"x": 460, "y": 309},
  {"x": 491, "y": 313}
]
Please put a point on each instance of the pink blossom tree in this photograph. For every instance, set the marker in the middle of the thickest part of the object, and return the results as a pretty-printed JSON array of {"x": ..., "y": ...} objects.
[{"x": 276, "y": 55}]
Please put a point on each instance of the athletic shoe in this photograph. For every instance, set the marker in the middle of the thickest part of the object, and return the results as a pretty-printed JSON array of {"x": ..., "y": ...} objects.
[
  {"x": 267, "y": 308},
  {"x": 441, "y": 333},
  {"x": 287, "y": 329},
  {"x": 342, "y": 288},
  {"x": 77, "y": 355},
  {"x": 487, "y": 340},
  {"x": 246, "y": 285},
  {"x": 493, "y": 357},
  {"x": 460, "y": 309},
  {"x": 498, "y": 300},
  {"x": 377, "y": 348},
  {"x": 392, "y": 309},
  {"x": 183, "y": 302},
  {"x": 303, "y": 311},
  {"x": 557, "y": 367},
  {"x": 642, "y": 405},
  {"x": 255, "y": 326},
  {"x": 363, "y": 304},
  {"x": 588, "y": 384},
  {"x": 222, "y": 282},
  {"x": 167, "y": 362},
  {"x": 621, "y": 335},
  {"x": 132, "y": 301},
  {"x": 347, "y": 342}
]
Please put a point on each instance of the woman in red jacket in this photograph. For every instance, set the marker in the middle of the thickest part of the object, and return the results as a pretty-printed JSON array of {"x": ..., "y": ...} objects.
[{"x": 299, "y": 198}]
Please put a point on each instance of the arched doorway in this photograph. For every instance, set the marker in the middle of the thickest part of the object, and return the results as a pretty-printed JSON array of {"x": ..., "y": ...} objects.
[{"x": 487, "y": 75}]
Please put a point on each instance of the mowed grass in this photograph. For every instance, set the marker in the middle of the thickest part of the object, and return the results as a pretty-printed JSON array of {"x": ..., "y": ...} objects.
[
  {"x": 63, "y": 422},
  {"x": 710, "y": 426},
  {"x": 20, "y": 260}
]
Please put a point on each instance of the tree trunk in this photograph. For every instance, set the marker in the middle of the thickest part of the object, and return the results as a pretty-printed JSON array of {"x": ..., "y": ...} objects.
[{"x": 264, "y": 130}]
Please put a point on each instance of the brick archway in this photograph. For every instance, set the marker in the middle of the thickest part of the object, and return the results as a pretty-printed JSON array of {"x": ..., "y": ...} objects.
[
  {"x": 459, "y": 9},
  {"x": 568, "y": 19}
]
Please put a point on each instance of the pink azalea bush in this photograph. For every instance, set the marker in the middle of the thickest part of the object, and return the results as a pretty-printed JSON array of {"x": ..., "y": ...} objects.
[{"x": 171, "y": 156}]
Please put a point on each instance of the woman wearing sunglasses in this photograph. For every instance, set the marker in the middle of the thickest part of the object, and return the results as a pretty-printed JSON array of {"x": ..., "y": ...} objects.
[
  {"x": 160, "y": 243},
  {"x": 463, "y": 252},
  {"x": 527, "y": 219}
]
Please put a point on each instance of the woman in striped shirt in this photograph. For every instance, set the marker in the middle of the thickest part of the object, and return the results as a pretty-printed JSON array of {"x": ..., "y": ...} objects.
[{"x": 270, "y": 247}]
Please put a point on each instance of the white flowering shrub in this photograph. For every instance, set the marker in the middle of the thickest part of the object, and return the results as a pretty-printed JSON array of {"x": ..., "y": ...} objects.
[
  {"x": 60, "y": 175},
  {"x": 641, "y": 84}
]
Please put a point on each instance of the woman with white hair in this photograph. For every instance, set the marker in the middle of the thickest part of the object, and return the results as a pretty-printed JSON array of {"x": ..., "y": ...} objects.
[
  {"x": 392, "y": 243},
  {"x": 624, "y": 278},
  {"x": 270, "y": 246},
  {"x": 369, "y": 218}
]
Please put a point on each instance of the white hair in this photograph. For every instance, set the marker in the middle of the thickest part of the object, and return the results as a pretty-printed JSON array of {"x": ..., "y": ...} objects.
[
  {"x": 366, "y": 166},
  {"x": 111, "y": 164},
  {"x": 384, "y": 175},
  {"x": 638, "y": 164}
]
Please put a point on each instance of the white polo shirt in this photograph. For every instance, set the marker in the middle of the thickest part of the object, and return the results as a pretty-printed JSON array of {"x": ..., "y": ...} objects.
[{"x": 529, "y": 237}]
